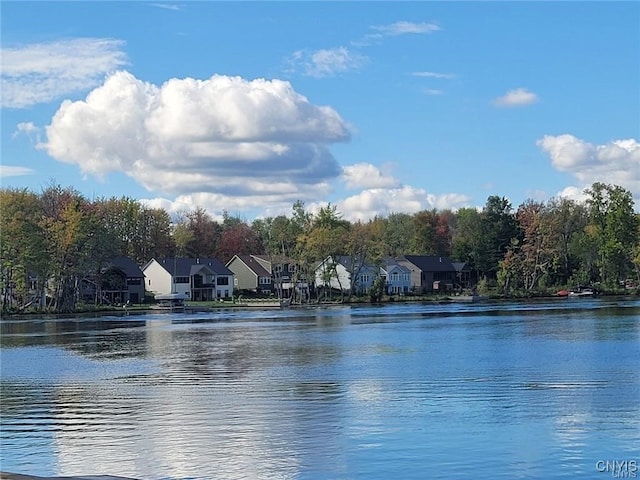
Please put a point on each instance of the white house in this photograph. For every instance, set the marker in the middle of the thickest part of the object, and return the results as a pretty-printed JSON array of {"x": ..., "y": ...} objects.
[
  {"x": 343, "y": 273},
  {"x": 200, "y": 279}
]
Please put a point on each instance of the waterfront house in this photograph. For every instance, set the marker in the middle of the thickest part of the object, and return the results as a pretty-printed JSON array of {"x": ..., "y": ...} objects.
[
  {"x": 430, "y": 273},
  {"x": 397, "y": 277},
  {"x": 199, "y": 279},
  {"x": 267, "y": 274},
  {"x": 346, "y": 273},
  {"x": 118, "y": 281}
]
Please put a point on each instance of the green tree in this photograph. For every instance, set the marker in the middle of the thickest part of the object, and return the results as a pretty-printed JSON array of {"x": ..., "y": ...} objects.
[
  {"x": 498, "y": 228},
  {"x": 611, "y": 214},
  {"x": 466, "y": 236},
  {"x": 398, "y": 234}
]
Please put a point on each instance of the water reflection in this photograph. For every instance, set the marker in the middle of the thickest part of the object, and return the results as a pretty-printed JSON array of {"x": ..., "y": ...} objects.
[{"x": 540, "y": 390}]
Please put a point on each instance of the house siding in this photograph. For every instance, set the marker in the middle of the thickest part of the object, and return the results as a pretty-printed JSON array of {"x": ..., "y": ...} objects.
[
  {"x": 246, "y": 278},
  {"x": 157, "y": 279}
]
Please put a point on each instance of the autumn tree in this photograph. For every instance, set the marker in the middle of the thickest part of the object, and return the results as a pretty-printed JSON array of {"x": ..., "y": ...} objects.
[
  {"x": 237, "y": 238},
  {"x": 22, "y": 247},
  {"x": 205, "y": 233},
  {"x": 74, "y": 243},
  {"x": 431, "y": 233}
]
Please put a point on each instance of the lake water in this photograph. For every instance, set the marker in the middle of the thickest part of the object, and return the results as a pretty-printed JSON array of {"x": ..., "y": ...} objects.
[{"x": 522, "y": 390}]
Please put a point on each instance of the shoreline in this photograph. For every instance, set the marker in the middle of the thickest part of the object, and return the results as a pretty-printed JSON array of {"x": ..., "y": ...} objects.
[{"x": 273, "y": 305}]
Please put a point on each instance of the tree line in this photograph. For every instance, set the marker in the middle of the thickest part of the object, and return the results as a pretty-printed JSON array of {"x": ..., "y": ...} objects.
[{"x": 61, "y": 237}]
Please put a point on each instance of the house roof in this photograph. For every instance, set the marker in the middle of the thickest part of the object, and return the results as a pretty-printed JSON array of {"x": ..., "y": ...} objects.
[
  {"x": 461, "y": 266},
  {"x": 431, "y": 263},
  {"x": 346, "y": 262},
  {"x": 185, "y": 267},
  {"x": 254, "y": 265},
  {"x": 388, "y": 263},
  {"x": 128, "y": 266}
]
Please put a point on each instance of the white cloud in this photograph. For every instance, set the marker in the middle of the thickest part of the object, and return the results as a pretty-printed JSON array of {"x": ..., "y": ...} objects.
[
  {"x": 43, "y": 72},
  {"x": 433, "y": 91},
  {"x": 366, "y": 175},
  {"x": 405, "y": 28},
  {"x": 617, "y": 162},
  {"x": 223, "y": 136},
  {"x": 26, "y": 128},
  {"x": 326, "y": 62},
  {"x": 446, "y": 76},
  {"x": 516, "y": 98},
  {"x": 14, "y": 171},
  {"x": 166, "y": 6},
  {"x": 381, "y": 202},
  {"x": 573, "y": 193}
]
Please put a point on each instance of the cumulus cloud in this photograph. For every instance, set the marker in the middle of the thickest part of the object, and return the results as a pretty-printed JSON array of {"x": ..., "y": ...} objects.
[
  {"x": 366, "y": 175},
  {"x": 326, "y": 62},
  {"x": 617, "y": 162},
  {"x": 516, "y": 98},
  {"x": 224, "y": 135},
  {"x": 14, "y": 171},
  {"x": 382, "y": 201},
  {"x": 406, "y": 28},
  {"x": 43, "y": 72}
]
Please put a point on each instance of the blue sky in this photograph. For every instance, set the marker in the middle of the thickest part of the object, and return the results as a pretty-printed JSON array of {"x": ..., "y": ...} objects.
[{"x": 376, "y": 107}]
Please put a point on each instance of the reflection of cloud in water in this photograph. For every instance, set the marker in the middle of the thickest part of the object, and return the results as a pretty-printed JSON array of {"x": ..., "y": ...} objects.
[{"x": 160, "y": 432}]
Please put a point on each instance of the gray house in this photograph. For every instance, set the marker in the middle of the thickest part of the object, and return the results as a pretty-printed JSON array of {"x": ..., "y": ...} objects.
[
  {"x": 251, "y": 274},
  {"x": 267, "y": 274}
]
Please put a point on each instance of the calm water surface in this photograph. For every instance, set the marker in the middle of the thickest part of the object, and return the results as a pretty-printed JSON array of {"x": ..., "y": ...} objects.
[{"x": 538, "y": 390}]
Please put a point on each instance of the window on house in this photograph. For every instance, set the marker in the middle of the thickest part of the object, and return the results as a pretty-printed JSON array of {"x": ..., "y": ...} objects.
[
  {"x": 134, "y": 281},
  {"x": 364, "y": 278},
  {"x": 394, "y": 277},
  {"x": 265, "y": 280},
  {"x": 277, "y": 268},
  {"x": 181, "y": 279},
  {"x": 222, "y": 281}
]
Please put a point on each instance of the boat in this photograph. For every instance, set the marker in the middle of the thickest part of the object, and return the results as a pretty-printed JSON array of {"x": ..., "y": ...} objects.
[
  {"x": 467, "y": 296},
  {"x": 170, "y": 301},
  {"x": 582, "y": 292}
]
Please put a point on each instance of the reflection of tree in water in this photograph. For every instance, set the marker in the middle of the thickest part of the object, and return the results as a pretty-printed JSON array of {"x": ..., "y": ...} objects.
[
  {"x": 232, "y": 353},
  {"x": 95, "y": 337}
]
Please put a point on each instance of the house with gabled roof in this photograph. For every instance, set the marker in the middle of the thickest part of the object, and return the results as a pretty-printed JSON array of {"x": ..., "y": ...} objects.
[
  {"x": 250, "y": 273},
  {"x": 199, "y": 279},
  {"x": 267, "y": 274},
  {"x": 430, "y": 272},
  {"x": 118, "y": 281},
  {"x": 397, "y": 277},
  {"x": 344, "y": 273}
]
